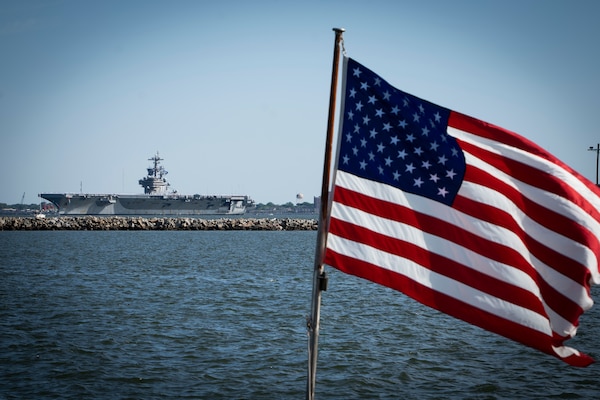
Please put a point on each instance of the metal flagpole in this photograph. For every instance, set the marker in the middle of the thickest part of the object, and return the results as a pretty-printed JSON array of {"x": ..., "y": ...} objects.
[{"x": 319, "y": 276}]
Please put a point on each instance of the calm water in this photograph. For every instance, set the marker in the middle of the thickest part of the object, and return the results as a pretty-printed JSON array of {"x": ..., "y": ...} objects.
[{"x": 149, "y": 315}]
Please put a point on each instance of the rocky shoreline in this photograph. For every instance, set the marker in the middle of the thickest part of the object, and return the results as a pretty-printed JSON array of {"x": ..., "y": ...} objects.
[{"x": 93, "y": 223}]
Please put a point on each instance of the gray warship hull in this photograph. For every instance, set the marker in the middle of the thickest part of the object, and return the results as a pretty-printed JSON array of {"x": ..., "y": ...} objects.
[
  {"x": 156, "y": 200},
  {"x": 147, "y": 204}
]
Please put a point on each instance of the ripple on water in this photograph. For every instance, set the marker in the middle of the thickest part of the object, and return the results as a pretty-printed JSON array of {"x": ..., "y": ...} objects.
[{"x": 222, "y": 315}]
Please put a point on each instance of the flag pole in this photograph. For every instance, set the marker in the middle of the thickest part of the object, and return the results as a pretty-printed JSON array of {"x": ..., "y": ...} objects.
[{"x": 319, "y": 275}]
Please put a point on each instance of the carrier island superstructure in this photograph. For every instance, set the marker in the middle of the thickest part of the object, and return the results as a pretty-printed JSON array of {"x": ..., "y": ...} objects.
[{"x": 156, "y": 200}]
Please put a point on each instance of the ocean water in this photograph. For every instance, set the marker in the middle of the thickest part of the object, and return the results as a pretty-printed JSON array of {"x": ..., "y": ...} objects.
[{"x": 221, "y": 315}]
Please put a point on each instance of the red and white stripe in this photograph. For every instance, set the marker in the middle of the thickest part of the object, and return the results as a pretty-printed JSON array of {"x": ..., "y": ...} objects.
[{"x": 515, "y": 253}]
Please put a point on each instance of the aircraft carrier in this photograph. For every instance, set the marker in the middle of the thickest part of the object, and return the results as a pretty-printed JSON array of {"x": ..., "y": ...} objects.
[{"x": 156, "y": 200}]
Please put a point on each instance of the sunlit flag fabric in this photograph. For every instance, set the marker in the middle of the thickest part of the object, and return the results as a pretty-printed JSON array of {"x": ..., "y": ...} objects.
[{"x": 463, "y": 216}]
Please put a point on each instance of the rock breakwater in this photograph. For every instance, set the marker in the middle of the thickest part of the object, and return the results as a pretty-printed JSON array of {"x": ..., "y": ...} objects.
[{"x": 92, "y": 223}]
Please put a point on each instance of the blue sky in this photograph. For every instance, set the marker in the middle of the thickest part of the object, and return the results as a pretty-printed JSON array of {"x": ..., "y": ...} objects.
[{"x": 234, "y": 94}]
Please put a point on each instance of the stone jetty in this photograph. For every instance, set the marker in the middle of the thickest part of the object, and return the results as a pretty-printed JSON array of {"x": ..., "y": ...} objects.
[{"x": 93, "y": 223}]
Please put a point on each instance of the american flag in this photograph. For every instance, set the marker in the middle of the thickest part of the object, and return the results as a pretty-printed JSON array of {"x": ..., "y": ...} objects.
[{"x": 463, "y": 216}]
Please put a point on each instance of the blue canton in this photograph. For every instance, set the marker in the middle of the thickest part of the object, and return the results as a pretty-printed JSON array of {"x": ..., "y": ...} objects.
[{"x": 398, "y": 139}]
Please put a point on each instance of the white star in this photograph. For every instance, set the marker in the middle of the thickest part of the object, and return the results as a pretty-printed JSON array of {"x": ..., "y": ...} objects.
[
  {"x": 434, "y": 177},
  {"x": 359, "y": 106},
  {"x": 425, "y": 131},
  {"x": 416, "y": 117},
  {"x": 434, "y": 146},
  {"x": 426, "y": 164},
  {"x": 402, "y": 154},
  {"x": 380, "y": 148},
  {"x": 355, "y": 151},
  {"x": 388, "y": 161},
  {"x": 402, "y": 124},
  {"x": 437, "y": 117},
  {"x": 396, "y": 175},
  {"x": 363, "y": 142},
  {"x": 418, "y": 151},
  {"x": 372, "y": 100},
  {"x": 380, "y": 170},
  {"x": 366, "y": 120},
  {"x": 442, "y": 192},
  {"x": 454, "y": 152},
  {"x": 394, "y": 139},
  {"x": 410, "y": 168},
  {"x": 371, "y": 156},
  {"x": 346, "y": 159},
  {"x": 364, "y": 85},
  {"x": 442, "y": 160},
  {"x": 418, "y": 182},
  {"x": 357, "y": 72},
  {"x": 421, "y": 108},
  {"x": 363, "y": 165},
  {"x": 410, "y": 137},
  {"x": 395, "y": 110},
  {"x": 352, "y": 92},
  {"x": 386, "y": 95},
  {"x": 379, "y": 113},
  {"x": 356, "y": 128},
  {"x": 450, "y": 174},
  {"x": 387, "y": 127},
  {"x": 348, "y": 137},
  {"x": 373, "y": 133},
  {"x": 377, "y": 81},
  {"x": 350, "y": 115}
]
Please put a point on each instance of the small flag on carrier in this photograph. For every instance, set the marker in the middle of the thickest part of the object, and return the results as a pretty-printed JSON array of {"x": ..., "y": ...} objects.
[{"x": 463, "y": 216}]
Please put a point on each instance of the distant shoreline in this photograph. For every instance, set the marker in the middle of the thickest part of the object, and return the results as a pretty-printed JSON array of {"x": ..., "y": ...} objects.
[{"x": 109, "y": 223}]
